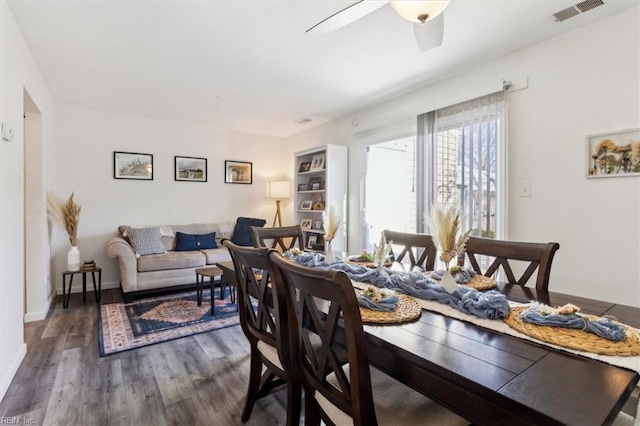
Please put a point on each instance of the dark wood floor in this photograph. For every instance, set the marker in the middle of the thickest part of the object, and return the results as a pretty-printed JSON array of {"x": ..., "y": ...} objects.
[{"x": 197, "y": 380}]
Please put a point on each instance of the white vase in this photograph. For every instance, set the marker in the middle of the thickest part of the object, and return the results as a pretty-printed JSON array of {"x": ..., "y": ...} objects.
[
  {"x": 328, "y": 254},
  {"x": 448, "y": 282},
  {"x": 73, "y": 259}
]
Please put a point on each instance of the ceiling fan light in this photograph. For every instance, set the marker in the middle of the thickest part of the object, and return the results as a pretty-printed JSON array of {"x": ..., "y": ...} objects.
[{"x": 411, "y": 10}]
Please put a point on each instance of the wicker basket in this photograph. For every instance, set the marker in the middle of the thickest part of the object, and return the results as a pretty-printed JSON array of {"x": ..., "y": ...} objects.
[
  {"x": 408, "y": 310},
  {"x": 576, "y": 339},
  {"x": 89, "y": 266}
]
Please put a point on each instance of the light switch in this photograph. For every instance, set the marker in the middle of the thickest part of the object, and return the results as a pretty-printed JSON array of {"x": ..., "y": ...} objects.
[
  {"x": 525, "y": 188},
  {"x": 7, "y": 132}
]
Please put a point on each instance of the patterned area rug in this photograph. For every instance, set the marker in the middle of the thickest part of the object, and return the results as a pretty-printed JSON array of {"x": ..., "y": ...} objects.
[{"x": 126, "y": 326}]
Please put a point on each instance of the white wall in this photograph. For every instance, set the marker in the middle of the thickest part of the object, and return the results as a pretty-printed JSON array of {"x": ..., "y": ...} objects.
[
  {"x": 82, "y": 162},
  {"x": 580, "y": 83},
  {"x": 18, "y": 73}
]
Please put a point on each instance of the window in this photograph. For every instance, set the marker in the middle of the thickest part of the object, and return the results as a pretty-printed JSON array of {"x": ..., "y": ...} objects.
[{"x": 457, "y": 155}]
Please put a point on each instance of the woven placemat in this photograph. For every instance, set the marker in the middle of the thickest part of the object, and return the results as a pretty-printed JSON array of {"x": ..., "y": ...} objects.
[
  {"x": 479, "y": 282},
  {"x": 576, "y": 339},
  {"x": 408, "y": 309},
  {"x": 368, "y": 264}
]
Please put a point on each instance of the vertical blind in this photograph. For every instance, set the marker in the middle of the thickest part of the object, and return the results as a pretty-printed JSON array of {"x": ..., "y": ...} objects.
[{"x": 462, "y": 147}]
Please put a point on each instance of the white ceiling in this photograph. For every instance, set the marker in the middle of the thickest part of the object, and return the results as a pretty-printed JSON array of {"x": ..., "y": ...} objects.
[{"x": 249, "y": 66}]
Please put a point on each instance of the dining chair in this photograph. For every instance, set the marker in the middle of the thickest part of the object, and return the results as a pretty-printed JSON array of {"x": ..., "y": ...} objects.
[
  {"x": 539, "y": 256},
  {"x": 282, "y": 238},
  {"x": 264, "y": 323},
  {"x": 413, "y": 245},
  {"x": 325, "y": 320}
]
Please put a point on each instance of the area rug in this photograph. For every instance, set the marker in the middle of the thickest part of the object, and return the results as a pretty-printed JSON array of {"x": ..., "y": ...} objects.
[{"x": 125, "y": 326}]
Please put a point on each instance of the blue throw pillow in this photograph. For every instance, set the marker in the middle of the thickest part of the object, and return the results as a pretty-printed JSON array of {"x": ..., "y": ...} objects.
[
  {"x": 242, "y": 231},
  {"x": 188, "y": 242}
]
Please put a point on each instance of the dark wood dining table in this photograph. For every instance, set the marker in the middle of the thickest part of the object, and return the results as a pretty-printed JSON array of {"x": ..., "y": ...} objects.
[{"x": 496, "y": 379}]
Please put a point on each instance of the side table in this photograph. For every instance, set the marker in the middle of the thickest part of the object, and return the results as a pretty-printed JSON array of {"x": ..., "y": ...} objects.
[
  {"x": 66, "y": 294},
  {"x": 212, "y": 272}
]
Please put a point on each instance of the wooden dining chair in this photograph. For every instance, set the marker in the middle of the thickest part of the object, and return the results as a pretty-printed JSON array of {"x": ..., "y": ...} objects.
[
  {"x": 265, "y": 326},
  {"x": 539, "y": 256},
  {"x": 325, "y": 319},
  {"x": 414, "y": 245},
  {"x": 281, "y": 239}
]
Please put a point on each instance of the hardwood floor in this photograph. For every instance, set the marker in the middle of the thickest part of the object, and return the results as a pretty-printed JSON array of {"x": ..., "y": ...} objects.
[{"x": 197, "y": 380}]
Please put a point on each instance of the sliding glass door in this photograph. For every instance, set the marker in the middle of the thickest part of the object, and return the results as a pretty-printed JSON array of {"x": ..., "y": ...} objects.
[{"x": 389, "y": 188}]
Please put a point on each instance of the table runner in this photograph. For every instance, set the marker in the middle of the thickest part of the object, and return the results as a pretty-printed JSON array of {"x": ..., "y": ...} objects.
[{"x": 631, "y": 363}]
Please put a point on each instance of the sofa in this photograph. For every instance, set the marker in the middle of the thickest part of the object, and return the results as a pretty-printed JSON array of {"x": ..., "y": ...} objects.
[{"x": 162, "y": 257}]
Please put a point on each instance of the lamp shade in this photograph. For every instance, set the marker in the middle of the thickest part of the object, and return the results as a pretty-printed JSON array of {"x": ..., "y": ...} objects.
[
  {"x": 411, "y": 10},
  {"x": 278, "y": 189}
]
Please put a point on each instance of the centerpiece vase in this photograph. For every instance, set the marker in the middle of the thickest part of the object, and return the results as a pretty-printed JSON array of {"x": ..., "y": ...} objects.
[
  {"x": 73, "y": 259},
  {"x": 329, "y": 257},
  {"x": 448, "y": 282}
]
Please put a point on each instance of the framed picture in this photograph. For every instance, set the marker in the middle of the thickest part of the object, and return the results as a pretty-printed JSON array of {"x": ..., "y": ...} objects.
[
  {"x": 317, "y": 224},
  {"x": 306, "y": 205},
  {"x": 312, "y": 241},
  {"x": 190, "y": 169},
  {"x": 132, "y": 165},
  {"x": 305, "y": 223},
  {"x": 317, "y": 162},
  {"x": 315, "y": 183},
  {"x": 613, "y": 154},
  {"x": 238, "y": 172},
  {"x": 305, "y": 167},
  {"x": 303, "y": 187}
]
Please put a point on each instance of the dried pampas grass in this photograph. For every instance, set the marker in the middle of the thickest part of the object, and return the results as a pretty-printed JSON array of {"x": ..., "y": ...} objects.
[
  {"x": 331, "y": 223},
  {"x": 444, "y": 224},
  {"x": 65, "y": 214}
]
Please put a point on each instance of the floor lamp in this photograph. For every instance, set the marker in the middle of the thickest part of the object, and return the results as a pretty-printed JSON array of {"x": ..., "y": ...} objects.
[{"x": 277, "y": 190}]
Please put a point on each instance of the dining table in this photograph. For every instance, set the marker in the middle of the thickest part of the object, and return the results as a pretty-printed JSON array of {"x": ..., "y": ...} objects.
[{"x": 491, "y": 378}]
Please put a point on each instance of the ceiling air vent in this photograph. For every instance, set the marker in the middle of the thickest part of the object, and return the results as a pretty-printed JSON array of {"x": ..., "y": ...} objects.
[
  {"x": 588, "y": 5},
  {"x": 577, "y": 9}
]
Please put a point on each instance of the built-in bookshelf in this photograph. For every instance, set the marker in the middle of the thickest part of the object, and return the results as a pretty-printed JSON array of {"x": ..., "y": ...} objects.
[{"x": 321, "y": 181}]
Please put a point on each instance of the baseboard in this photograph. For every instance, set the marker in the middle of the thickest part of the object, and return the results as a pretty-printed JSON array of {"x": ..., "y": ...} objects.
[
  {"x": 6, "y": 381},
  {"x": 35, "y": 316},
  {"x": 40, "y": 315},
  {"x": 77, "y": 288}
]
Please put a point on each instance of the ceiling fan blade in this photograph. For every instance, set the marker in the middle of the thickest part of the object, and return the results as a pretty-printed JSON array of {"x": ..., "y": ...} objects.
[
  {"x": 429, "y": 35},
  {"x": 346, "y": 16}
]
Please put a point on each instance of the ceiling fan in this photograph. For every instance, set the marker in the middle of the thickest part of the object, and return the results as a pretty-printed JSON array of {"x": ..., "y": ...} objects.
[{"x": 426, "y": 15}]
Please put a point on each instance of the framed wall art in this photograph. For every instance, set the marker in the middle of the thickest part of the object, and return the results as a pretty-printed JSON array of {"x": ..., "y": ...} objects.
[
  {"x": 613, "y": 154},
  {"x": 190, "y": 169},
  {"x": 132, "y": 165},
  {"x": 238, "y": 172}
]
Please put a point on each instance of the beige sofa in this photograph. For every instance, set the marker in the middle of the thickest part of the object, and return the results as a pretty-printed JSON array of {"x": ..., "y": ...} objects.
[{"x": 142, "y": 274}]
